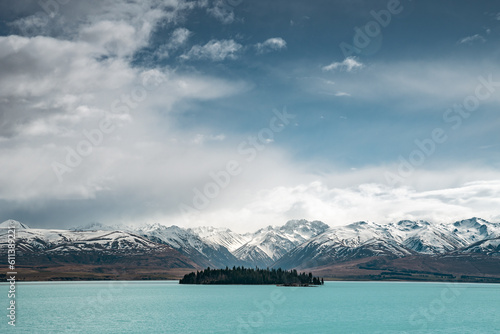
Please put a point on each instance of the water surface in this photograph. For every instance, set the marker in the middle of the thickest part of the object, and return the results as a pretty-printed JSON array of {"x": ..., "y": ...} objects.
[{"x": 336, "y": 307}]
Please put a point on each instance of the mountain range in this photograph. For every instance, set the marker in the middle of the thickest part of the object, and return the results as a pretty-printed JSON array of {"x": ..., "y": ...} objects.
[{"x": 361, "y": 249}]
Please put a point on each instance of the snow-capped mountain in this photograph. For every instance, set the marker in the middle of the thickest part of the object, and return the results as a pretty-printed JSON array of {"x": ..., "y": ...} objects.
[
  {"x": 269, "y": 244},
  {"x": 13, "y": 224},
  {"x": 206, "y": 246},
  {"x": 221, "y": 236},
  {"x": 297, "y": 244},
  {"x": 35, "y": 240},
  {"x": 203, "y": 253},
  {"x": 489, "y": 247},
  {"x": 84, "y": 251},
  {"x": 220, "y": 247},
  {"x": 404, "y": 238}
]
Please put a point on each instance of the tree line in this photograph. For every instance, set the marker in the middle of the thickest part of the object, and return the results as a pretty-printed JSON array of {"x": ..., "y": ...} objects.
[{"x": 242, "y": 275}]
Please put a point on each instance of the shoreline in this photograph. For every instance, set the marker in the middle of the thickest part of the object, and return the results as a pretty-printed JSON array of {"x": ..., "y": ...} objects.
[{"x": 486, "y": 280}]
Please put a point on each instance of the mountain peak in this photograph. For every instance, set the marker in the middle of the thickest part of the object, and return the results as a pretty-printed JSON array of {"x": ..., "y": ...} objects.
[
  {"x": 412, "y": 225},
  {"x": 300, "y": 223},
  {"x": 472, "y": 222},
  {"x": 11, "y": 223}
]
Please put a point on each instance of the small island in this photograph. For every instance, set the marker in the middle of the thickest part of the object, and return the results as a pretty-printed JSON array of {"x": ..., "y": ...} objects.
[{"x": 241, "y": 275}]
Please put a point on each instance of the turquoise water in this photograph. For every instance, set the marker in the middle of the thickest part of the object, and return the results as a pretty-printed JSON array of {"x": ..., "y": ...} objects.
[{"x": 336, "y": 307}]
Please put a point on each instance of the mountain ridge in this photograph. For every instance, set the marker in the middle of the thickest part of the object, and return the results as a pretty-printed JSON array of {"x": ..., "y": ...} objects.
[{"x": 298, "y": 244}]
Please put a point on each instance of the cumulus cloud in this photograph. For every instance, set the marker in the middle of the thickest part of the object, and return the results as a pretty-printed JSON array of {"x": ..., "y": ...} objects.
[
  {"x": 472, "y": 39},
  {"x": 57, "y": 90},
  {"x": 215, "y": 50},
  {"x": 62, "y": 75},
  {"x": 114, "y": 38},
  {"x": 349, "y": 64},
  {"x": 272, "y": 44}
]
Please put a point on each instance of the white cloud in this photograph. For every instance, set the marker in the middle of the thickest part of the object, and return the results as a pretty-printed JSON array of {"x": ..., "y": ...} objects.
[
  {"x": 342, "y": 94},
  {"x": 66, "y": 20},
  {"x": 178, "y": 38},
  {"x": 52, "y": 90},
  {"x": 348, "y": 64},
  {"x": 432, "y": 86},
  {"x": 472, "y": 39},
  {"x": 115, "y": 38},
  {"x": 33, "y": 25},
  {"x": 200, "y": 139},
  {"x": 341, "y": 205},
  {"x": 222, "y": 11},
  {"x": 214, "y": 50},
  {"x": 272, "y": 44},
  {"x": 54, "y": 87}
]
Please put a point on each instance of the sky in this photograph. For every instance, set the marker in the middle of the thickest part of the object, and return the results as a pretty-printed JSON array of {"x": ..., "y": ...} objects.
[{"x": 243, "y": 114}]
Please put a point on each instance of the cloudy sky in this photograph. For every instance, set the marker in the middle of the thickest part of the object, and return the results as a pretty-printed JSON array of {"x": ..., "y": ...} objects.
[{"x": 243, "y": 113}]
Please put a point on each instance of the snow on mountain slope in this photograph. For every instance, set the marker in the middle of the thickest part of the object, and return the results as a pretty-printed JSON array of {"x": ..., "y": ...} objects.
[
  {"x": 298, "y": 243},
  {"x": 264, "y": 248},
  {"x": 423, "y": 237},
  {"x": 364, "y": 239},
  {"x": 357, "y": 240},
  {"x": 11, "y": 223},
  {"x": 475, "y": 229},
  {"x": 221, "y": 236},
  {"x": 489, "y": 247},
  {"x": 88, "y": 252},
  {"x": 253, "y": 254},
  {"x": 201, "y": 252},
  {"x": 269, "y": 244},
  {"x": 442, "y": 238},
  {"x": 35, "y": 240},
  {"x": 299, "y": 231}
]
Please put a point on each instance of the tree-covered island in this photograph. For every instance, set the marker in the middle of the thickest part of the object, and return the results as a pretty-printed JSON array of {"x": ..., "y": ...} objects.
[{"x": 241, "y": 275}]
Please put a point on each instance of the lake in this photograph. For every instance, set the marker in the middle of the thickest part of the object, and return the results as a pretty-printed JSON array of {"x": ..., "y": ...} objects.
[{"x": 336, "y": 307}]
